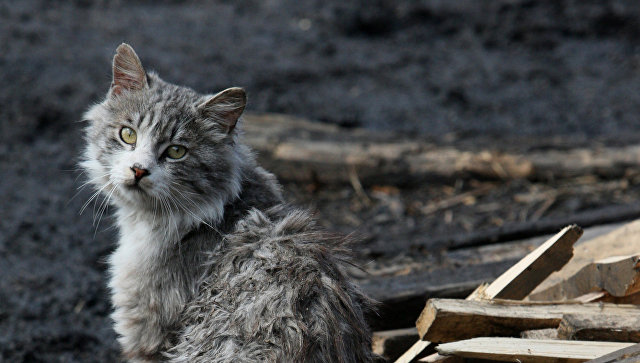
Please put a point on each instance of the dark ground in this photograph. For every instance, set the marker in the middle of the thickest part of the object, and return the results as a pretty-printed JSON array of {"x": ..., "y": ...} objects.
[{"x": 472, "y": 73}]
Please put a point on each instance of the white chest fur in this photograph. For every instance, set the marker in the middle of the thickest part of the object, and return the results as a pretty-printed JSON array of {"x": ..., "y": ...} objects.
[
  {"x": 140, "y": 285},
  {"x": 138, "y": 252}
]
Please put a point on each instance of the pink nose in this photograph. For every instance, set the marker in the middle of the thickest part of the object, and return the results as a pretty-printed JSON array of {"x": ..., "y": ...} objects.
[{"x": 139, "y": 173}]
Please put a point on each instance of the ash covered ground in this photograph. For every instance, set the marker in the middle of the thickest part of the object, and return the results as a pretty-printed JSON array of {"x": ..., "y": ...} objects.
[{"x": 473, "y": 73}]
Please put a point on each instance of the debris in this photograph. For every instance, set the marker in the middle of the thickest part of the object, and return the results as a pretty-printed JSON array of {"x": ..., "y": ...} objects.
[
  {"x": 580, "y": 315},
  {"x": 506, "y": 284}
]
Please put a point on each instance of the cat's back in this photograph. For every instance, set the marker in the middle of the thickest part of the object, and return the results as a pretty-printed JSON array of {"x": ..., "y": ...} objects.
[{"x": 274, "y": 291}]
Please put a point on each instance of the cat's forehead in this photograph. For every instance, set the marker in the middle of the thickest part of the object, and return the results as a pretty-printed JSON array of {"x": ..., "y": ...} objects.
[
  {"x": 171, "y": 101},
  {"x": 161, "y": 110}
]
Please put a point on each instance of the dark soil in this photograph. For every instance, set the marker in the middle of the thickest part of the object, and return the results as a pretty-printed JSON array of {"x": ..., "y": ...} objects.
[{"x": 473, "y": 73}]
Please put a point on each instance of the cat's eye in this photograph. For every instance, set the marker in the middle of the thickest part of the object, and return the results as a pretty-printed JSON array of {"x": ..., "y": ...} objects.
[
  {"x": 176, "y": 151},
  {"x": 128, "y": 135}
]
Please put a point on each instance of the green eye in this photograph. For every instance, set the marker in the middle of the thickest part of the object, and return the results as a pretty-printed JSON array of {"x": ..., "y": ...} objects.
[
  {"x": 176, "y": 151},
  {"x": 128, "y": 135}
]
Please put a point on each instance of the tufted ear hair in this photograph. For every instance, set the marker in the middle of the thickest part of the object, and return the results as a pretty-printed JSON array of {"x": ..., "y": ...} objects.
[
  {"x": 128, "y": 73},
  {"x": 225, "y": 107}
]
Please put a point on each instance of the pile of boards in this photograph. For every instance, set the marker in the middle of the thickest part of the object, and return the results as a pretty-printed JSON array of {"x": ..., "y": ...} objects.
[{"x": 557, "y": 304}]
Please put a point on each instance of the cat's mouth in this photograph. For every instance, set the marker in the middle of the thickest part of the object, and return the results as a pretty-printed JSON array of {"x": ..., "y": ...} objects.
[{"x": 135, "y": 188}]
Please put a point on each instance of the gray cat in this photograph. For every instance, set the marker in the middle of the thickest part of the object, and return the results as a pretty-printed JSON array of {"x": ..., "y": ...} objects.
[{"x": 211, "y": 265}]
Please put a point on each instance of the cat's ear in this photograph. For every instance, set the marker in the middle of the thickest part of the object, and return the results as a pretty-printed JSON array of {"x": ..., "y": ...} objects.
[
  {"x": 225, "y": 107},
  {"x": 128, "y": 73}
]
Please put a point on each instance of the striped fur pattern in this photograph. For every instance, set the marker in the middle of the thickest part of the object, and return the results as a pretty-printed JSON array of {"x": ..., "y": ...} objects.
[{"x": 211, "y": 265}]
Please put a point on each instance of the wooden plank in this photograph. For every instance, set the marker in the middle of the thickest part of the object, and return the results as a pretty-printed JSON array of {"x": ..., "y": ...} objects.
[
  {"x": 618, "y": 276},
  {"x": 529, "y": 272},
  {"x": 529, "y": 350},
  {"x": 505, "y": 286},
  {"x": 621, "y": 241},
  {"x": 413, "y": 352},
  {"x": 617, "y": 328},
  {"x": 437, "y": 357},
  {"x": 445, "y": 320},
  {"x": 390, "y": 344},
  {"x": 590, "y": 297},
  {"x": 625, "y": 355}
]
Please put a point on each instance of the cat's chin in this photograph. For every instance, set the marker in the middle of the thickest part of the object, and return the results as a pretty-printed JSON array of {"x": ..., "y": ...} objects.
[{"x": 133, "y": 194}]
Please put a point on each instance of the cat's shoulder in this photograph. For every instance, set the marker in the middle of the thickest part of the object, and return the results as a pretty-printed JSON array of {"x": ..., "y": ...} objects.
[{"x": 281, "y": 238}]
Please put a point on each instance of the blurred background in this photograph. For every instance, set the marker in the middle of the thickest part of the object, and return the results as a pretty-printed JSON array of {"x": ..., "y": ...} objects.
[{"x": 434, "y": 131}]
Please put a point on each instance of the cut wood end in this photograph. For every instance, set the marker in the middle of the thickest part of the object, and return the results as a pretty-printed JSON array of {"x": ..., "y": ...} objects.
[{"x": 426, "y": 318}]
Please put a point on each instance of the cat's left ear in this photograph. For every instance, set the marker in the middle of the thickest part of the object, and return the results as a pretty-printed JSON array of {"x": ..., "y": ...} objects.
[
  {"x": 225, "y": 107},
  {"x": 128, "y": 73}
]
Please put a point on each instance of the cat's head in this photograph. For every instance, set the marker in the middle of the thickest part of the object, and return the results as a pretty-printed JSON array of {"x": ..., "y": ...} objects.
[{"x": 162, "y": 148}]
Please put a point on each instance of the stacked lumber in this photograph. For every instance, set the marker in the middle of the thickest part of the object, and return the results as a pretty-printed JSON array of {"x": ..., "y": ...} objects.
[{"x": 541, "y": 310}]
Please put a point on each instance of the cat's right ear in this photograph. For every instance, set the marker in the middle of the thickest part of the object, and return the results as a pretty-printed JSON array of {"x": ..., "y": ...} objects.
[
  {"x": 128, "y": 73},
  {"x": 225, "y": 107}
]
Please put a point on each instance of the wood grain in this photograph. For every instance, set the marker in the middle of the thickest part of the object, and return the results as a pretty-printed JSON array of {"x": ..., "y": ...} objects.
[
  {"x": 530, "y": 350},
  {"x": 446, "y": 320}
]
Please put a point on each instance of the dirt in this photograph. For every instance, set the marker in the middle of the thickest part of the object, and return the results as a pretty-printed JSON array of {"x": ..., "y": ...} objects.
[{"x": 478, "y": 73}]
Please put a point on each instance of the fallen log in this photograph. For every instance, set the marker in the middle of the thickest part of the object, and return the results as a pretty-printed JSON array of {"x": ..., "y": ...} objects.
[
  {"x": 619, "y": 328},
  {"x": 300, "y": 150},
  {"x": 619, "y": 276},
  {"x": 446, "y": 320},
  {"x": 529, "y": 350}
]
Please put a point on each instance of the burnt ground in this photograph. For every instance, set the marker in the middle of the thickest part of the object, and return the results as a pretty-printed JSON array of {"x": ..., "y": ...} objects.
[{"x": 466, "y": 73}]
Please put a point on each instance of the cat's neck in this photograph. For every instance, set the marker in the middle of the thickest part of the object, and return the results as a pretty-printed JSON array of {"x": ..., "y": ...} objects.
[{"x": 165, "y": 226}]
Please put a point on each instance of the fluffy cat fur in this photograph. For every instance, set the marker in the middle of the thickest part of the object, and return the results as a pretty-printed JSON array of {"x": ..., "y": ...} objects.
[{"x": 211, "y": 266}]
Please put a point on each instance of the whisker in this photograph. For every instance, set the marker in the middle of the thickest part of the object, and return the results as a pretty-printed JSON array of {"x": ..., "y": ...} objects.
[
  {"x": 104, "y": 209},
  {"x": 93, "y": 196},
  {"x": 197, "y": 218},
  {"x": 81, "y": 187}
]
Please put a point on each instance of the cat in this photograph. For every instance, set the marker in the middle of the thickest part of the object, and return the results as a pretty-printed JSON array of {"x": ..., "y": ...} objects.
[{"x": 211, "y": 265}]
